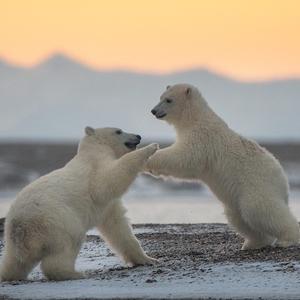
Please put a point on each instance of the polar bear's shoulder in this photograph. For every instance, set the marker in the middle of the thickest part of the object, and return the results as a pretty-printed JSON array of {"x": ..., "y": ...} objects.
[{"x": 251, "y": 147}]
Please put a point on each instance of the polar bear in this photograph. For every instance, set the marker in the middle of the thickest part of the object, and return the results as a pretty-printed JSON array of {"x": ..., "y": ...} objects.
[
  {"x": 50, "y": 217},
  {"x": 247, "y": 179}
]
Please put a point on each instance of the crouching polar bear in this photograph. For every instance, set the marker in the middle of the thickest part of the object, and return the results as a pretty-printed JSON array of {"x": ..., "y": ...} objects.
[
  {"x": 247, "y": 179},
  {"x": 51, "y": 216}
]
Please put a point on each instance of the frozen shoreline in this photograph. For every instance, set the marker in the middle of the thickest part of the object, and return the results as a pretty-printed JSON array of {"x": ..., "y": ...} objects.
[{"x": 197, "y": 261}]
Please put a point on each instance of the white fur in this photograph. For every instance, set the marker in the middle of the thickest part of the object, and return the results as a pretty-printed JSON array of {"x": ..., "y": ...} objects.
[
  {"x": 247, "y": 179},
  {"x": 51, "y": 216}
]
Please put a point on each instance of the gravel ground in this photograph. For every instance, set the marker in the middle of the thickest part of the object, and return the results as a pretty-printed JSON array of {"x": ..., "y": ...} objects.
[
  {"x": 207, "y": 243},
  {"x": 194, "y": 247}
]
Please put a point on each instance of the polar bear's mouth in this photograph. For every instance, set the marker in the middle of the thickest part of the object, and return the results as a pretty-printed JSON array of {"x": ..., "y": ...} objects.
[
  {"x": 131, "y": 145},
  {"x": 158, "y": 112},
  {"x": 160, "y": 115}
]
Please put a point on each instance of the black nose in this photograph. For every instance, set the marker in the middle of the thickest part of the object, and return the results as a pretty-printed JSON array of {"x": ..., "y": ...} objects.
[
  {"x": 139, "y": 137},
  {"x": 154, "y": 111}
]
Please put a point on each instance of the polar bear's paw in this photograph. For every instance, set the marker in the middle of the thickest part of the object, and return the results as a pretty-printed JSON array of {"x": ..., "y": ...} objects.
[
  {"x": 285, "y": 244},
  {"x": 151, "y": 149},
  {"x": 256, "y": 244},
  {"x": 141, "y": 261},
  {"x": 64, "y": 275}
]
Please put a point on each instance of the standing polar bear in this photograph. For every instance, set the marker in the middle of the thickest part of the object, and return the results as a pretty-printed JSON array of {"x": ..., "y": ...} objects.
[
  {"x": 51, "y": 216},
  {"x": 247, "y": 179}
]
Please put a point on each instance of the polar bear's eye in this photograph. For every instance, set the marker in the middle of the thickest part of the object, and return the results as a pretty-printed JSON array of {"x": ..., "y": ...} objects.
[
  {"x": 119, "y": 131},
  {"x": 169, "y": 100}
]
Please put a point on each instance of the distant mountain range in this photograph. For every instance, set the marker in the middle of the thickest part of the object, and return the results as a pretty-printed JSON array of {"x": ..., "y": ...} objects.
[{"x": 56, "y": 99}]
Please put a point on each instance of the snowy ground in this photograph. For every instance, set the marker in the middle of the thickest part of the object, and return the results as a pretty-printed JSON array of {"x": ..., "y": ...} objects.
[{"x": 196, "y": 261}]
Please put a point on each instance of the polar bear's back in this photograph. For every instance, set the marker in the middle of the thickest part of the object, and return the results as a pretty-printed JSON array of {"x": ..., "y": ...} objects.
[
  {"x": 54, "y": 189},
  {"x": 263, "y": 170},
  {"x": 246, "y": 168}
]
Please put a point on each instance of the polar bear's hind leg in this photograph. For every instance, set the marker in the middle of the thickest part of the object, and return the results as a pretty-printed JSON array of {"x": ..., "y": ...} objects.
[
  {"x": 61, "y": 265},
  {"x": 273, "y": 221},
  {"x": 22, "y": 252},
  {"x": 253, "y": 239},
  {"x": 14, "y": 268},
  {"x": 290, "y": 235}
]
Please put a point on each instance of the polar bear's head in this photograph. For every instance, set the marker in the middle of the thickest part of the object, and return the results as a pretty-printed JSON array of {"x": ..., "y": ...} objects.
[
  {"x": 116, "y": 139},
  {"x": 179, "y": 103}
]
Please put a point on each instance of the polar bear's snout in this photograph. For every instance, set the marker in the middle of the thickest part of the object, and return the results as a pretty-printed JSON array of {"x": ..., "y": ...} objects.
[
  {"x": 133, "y": 141},
  {"x": 158, "y": 112}
]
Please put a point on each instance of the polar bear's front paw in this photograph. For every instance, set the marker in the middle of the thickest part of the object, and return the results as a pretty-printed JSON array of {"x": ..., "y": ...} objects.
[
  {"x": 151, "y": 149},
  {"x": 145, "y": 260}
]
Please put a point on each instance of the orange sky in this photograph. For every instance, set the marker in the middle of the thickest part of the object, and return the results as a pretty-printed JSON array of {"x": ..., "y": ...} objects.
[{"x": 244, "y": 39}]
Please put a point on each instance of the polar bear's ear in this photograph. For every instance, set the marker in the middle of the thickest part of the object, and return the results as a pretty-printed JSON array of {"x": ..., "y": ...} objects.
[
  {"x": 89, "y": 130},
  {"x": 188, "y": 91},
  {"x": 168, "y": 86}
]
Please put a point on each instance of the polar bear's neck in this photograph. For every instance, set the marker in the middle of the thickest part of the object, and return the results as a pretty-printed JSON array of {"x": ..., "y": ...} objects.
[{"x": 195, "y": 118}]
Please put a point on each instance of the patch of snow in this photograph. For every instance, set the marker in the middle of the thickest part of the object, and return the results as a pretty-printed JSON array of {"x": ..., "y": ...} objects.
[{"x": 237, "y": 281}]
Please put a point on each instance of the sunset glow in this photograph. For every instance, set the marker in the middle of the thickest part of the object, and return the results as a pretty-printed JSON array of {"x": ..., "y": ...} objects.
[{"x": 248, "y": 40}]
